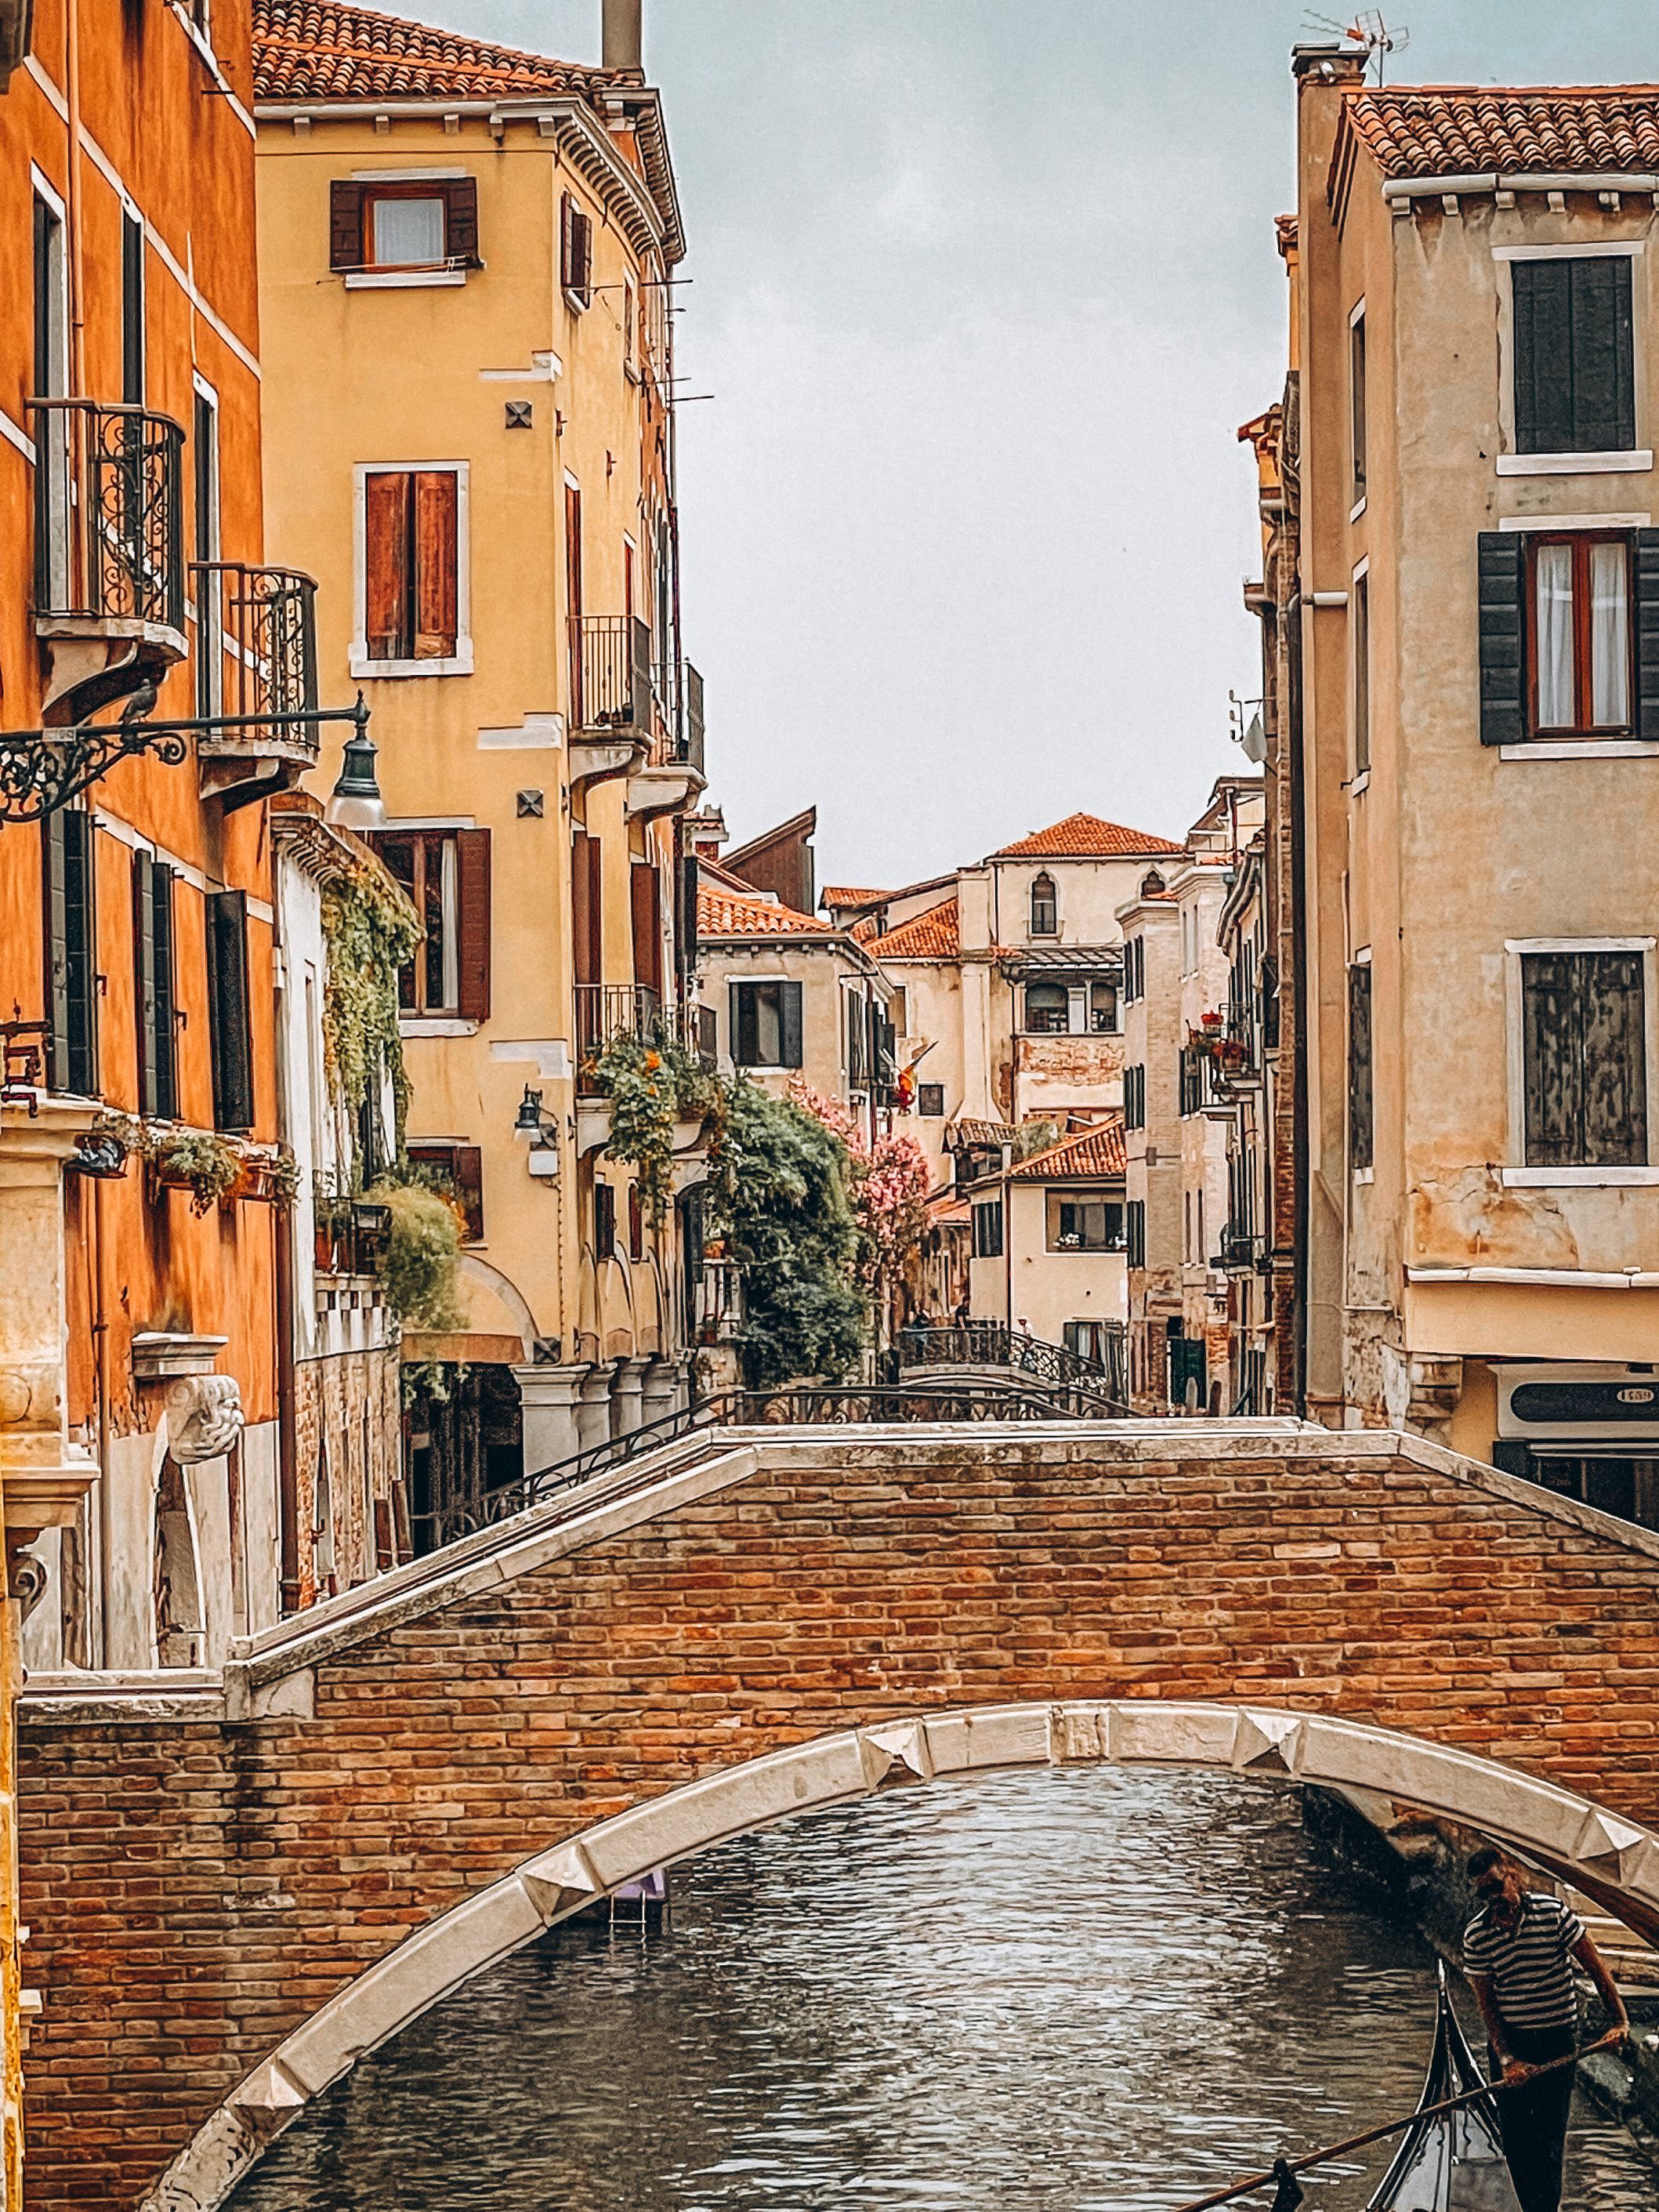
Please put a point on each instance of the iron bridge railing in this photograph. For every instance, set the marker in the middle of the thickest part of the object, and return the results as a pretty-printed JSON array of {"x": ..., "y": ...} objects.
[{"x": 1094, "y": 1387}]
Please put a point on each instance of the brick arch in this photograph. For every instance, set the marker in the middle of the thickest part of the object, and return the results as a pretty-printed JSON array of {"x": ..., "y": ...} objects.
[{"x": 1557, "y": 1829}]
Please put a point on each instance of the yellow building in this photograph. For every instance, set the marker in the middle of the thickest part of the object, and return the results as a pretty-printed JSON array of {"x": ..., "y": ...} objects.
[{"x": 466, "y": 255}]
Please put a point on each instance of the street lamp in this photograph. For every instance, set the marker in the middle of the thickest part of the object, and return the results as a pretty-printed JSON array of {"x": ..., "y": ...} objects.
[
  {"x": 355, "y": 802},
  {"x": 538, "y": 1129}
]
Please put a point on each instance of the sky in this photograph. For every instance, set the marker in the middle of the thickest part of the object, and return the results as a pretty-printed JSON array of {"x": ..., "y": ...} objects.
[{"x": 983, "y": 290}]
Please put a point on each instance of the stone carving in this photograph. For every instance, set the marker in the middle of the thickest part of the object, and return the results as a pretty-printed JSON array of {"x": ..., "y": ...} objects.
[{"x": 204, "y": 1417}]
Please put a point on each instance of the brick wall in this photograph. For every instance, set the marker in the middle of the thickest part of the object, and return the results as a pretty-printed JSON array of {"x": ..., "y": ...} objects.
[{"x": 195, "y": 1891}]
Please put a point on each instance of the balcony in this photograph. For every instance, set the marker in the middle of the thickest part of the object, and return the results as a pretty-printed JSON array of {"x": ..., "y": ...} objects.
[
  {"x": 109, "y": 565},
  {"x": 1241, "y": 1250},
  {"x": 605, "y": 1012},
  {"x": 257, "y": 662}
]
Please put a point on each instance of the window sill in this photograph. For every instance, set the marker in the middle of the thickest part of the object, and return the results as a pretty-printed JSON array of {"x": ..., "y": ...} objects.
[
  {"x": 575, "y": 301},
  {"x": 436, "y": 1025},
  {"x": 1358, "y": 508},
  {"x": 1582, "y": 749},
  {"x": 457, "y": 664},
  {"x": 1361, "y": 782},
  {"x": 1364, "y": 1176},
  {"x": 1578, "y": 1178},
  {"x": 403, "y": 279},
  {"x": 1574, "y": 464}
]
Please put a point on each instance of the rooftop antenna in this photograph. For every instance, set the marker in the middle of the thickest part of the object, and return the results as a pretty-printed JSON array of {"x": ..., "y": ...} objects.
[{"x": 1369, "y": 30}]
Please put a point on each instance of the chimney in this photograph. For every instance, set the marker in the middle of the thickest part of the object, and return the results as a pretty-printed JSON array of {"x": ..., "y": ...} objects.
[{"x": 623, "y": 48}]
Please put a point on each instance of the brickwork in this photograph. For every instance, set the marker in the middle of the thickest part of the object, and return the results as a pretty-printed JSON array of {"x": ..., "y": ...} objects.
[{"x": 197, "y": 1890}]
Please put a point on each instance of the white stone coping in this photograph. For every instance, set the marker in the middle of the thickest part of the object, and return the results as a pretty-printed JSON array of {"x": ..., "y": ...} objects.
[{"x": 1564, "y": 1830}]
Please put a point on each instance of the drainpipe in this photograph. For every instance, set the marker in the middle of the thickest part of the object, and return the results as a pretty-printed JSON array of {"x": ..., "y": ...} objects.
[
  {"x": 288, "y": 1477},
  {"x": 72, "y": 199},
  {"x": 623, "y": 35},
  {"x": 1293, "y": 734}
]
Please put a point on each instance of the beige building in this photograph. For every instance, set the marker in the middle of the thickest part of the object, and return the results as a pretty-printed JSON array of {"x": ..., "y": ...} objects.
[
  {"x": 464, "y": 255},
  {"x": 1478, "y": 619}
]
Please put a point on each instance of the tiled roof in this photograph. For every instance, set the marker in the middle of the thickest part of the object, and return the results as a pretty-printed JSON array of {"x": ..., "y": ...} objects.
[
  {"x": 931, "y": 936},
  {"x": 319, "y": 49},
  {"x": 848, "y": 894},
  {"x": 967, "y": 1131},
  {"x": 1086, "y": 836},
  {"x": 1455, "y": 130},
  {"x": 1090, "y": 1156},
  {"x": 721, "y": 914}
]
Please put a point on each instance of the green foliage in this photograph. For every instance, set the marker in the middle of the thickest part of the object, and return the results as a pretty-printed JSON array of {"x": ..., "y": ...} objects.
[
  {"x": 778, "y": 1195},
  {"x": 1034, "y": 1137},
  {"x": 420, "y": 1259},
  {"x": 650, "y": 1087},
  {"x": 372, "y": 931}
]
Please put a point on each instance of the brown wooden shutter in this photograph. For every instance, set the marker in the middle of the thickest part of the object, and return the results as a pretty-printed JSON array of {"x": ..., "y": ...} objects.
[
  {"x": 1646, "y": 592},
  {"x": 1615, "y": 1077},
  {"x": 587, "y": 903},
  {"x": 229, "y": 1023},
  {"x": 345, "y": 225},
  {"x": 1501, "y": 577},
  {"x": 435, "y": 565},
  {"x": 644, "y": 884},
  {"x": 635, "y": 1223},
  {"x": 469, "y": 1189},
  {"x": 566, "y": 242},
  {"x": 388, "y": 621},
  {"x": 473, "y": 923},
  {"x": 789, "y": 1024},
  {"x": 167, "y": 1020},
  {"x": 461, "y": 241}
]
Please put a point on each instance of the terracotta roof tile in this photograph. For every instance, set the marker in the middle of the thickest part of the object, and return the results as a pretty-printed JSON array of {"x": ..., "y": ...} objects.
[
  {"x": 1452, "y": 131},
  {"x": 318, "y": 50},
  {"x": 721, "y": 914},
  {"x": 931, "y": 936},
  {"x": 1088, "y": 1156},
  {"x": 848, "y": 895},
  {"x": 1086, "y": 836}
]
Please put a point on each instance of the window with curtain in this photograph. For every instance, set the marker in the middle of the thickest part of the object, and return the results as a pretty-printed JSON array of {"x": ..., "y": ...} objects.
[
  {"x": 405, "y": 232},
  {"x": 1581, "y": 636}
]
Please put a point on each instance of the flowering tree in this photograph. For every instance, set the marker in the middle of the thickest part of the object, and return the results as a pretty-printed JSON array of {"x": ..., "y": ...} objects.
[{"x": 888, "y": 1190}]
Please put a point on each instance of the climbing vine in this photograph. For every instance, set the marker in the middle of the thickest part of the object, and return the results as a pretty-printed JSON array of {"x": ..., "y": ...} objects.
[
  {"x": 650, "y": 1088},
  {"x": 372, "y": 931}
]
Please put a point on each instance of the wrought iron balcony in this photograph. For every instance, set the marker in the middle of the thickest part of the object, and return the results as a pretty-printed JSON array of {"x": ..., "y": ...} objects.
[
  {"x": 109, "y": 518},
  {"x": 611, "y": 692},
  {"x": 605, "y": 1012},
  {"x": 257, "y": 661}
]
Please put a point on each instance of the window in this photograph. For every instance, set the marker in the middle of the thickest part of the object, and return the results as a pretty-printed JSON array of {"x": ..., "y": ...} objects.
[
  {"x": 51, "y": 476},
  {"x": 1047, "y": 1010},
  {"x": 1135, "y": 1097},
  {"x": 1198, "y": 1079},
  {"x": 1362, "y": 674},
  {"x": 1103, "y": 1008},
  {"x": 605, "y": 1220},
  {"x": 209, "y": 653},
  {"x": 766, "y": 1024},
  {"x": 1085, "y": 1224},
  {"x": 411, "y": 567},
  {"x": 898, "y": 1012},
  {"x": 71, "y": 953},
  {"x": 1045, "y": 906},
  {"x": 230, "y": 1028},
  {"x": 575, "y": 253},
  {"x": 1574, "y": 358},
  {"x": 132, "y": 306},
  {"x": 1134, "y": 1231},
  {"x": 1134, "y": 969},
  {"x": 404, "y": 225},
  {"x": 635, "y": 1223},
  {"x": 1580, "y": 634},
  {"x": 458, "y": 1171},
  {"x": 152, "y": 935},
  {"x": 930, "y": 1100},
  {"x": 1359, "y": 1067},
  {"x": 630, "y": 323},
  {"x": 445, "y": 873},
  {"x": 1583, "y": 1051},
  {"x": 988, "y": 1229},
  {"x": 1357, "y": 403}
]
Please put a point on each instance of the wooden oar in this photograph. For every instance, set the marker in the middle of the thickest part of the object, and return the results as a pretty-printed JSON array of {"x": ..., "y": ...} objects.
[{"x": 1289, "y": 2166}]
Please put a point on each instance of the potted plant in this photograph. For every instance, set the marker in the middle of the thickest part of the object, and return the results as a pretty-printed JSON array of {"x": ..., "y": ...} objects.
[{"x": 208, "y": 1166}]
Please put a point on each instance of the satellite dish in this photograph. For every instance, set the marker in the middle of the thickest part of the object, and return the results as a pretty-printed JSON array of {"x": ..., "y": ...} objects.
[{"x": 1254, "y": 742}]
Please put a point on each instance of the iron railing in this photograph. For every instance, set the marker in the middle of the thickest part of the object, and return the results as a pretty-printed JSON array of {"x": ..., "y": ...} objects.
[
  {"x": 109, "y": 532},
  {"x": 612, "y": 688},
  {"x": 1085, "y": 1383},
  {"x": 607, "y": 1010},
  {"x": 260, "y": 625}
]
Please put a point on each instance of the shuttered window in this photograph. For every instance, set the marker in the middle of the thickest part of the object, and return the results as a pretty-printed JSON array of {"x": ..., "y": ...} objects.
[
  {"x": 132, "y": 309},
  {"x": 1359, "y": 1065},
  {"x": 576, "y": 253},
  {"x": 1134, "y": 1231},
  {"x": 152, "y": 935},
  {"x": 71, "y": 952},
  {"x": 1134, "y": 1097},
  {"x": 458, "y": 1169},
  {"x": 1575, "y": 384},
  {"x": 604, "y": 1221},
  {"x": 413, "y": 225},
  {"x": 445, "y": 873},
  {"x": 646, "y": 888},
  {"x": 1361, "y": 674},
  {"x": 1569, "y": 634},
  {"x": 229, "y": 1025},
  {"x": 987, "y": 1230},
  {"x": 766, "y": 1024},
  {"x": 1357, "y": 405},
  {"x": 412, "y": 564},
  {"x": 1583, "y": 1030}
]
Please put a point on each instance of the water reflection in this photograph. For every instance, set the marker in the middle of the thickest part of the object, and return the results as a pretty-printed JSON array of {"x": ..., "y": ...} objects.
[{"x": 1089, "y": 1990}]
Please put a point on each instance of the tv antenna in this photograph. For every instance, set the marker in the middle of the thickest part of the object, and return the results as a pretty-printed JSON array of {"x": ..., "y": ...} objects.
[{"x": 1369, "y": 30}]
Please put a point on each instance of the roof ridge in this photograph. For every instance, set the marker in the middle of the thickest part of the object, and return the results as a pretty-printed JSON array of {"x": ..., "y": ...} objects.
[{"x": 336, "y": 49}]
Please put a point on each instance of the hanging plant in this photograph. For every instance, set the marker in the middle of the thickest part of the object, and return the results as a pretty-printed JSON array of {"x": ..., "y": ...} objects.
[
  {"x": 372, "y": 933},
  {"x": 419, "y": 1260},
  {"x": 200, "y": 1161},
  {"x": 650, "y": 1088}
]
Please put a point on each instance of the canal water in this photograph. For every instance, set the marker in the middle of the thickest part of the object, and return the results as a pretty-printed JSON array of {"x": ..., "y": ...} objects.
[{"x": 1083, "y": 1991}]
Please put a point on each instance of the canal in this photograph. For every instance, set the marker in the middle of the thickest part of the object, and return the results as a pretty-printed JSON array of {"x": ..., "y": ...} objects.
[{"x": 1087, "y": 1990}]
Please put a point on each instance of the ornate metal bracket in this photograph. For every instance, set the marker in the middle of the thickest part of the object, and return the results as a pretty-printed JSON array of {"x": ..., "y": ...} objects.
[{"x": 42, "y": 770}]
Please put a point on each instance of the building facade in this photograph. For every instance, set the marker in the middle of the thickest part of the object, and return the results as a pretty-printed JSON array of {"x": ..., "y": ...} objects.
[{"x": 467, "y": 254}]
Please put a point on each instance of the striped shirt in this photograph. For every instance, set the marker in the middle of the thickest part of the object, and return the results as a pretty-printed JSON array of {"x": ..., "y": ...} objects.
[{"x": 1529, "y": 1965}]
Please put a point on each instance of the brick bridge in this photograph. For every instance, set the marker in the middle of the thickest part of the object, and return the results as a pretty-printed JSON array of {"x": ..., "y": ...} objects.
[{"x": 239, "y": 1885}]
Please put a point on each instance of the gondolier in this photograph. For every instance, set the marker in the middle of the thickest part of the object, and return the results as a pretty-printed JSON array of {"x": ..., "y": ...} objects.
[{"x": 1518, "y": 1952}]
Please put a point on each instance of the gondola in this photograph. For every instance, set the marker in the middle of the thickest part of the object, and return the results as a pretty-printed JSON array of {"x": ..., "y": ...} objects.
[{"x": 1455, "y": 2162}]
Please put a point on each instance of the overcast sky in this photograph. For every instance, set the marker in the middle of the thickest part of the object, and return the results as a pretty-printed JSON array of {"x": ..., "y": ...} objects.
[{"x": 984, "y": 288}]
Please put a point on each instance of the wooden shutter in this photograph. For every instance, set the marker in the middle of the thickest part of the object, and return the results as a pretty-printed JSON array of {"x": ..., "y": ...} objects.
[
  {"x": 72, "y": 980},
  {"x": 436, "y": 564},
  {"x": 587, "y": 899},
  {"x": 472, "y": 921},
  {"x": 688, "y": 915},
  {"x": 1543, "y": 355},
  {"x": 132, "y": 309},
  {"x": 645, "y": 886},
  {"x": 166, "y": 1028},
  {"x": 1603, "y": 388},
  {"x": 1359, "y": 1065},
  {"x": 461, "y": 222},
  {"x": 228, "y": 1023},
  {"x": 1646, "y": 614},
  {"x": 462, "y": 1166},
  {"x": 1503, "y": 571},
  {"x": 1550, "y": 1058},
  {"x": 388, "y": 560},
  {"x": 635, "y": 1223},
  {"x": 345, "y": 225},
  {"x": 605, "y": 1220},
  {"x": 143, "y": 940},
  {"x": 789, "y": 1024},
  {"x": 742, "y": 1024},
  {"x": 1615, "y": 1078}
]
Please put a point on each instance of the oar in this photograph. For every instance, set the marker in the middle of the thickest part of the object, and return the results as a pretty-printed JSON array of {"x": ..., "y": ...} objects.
[{"x": 1285, "y": 2167}]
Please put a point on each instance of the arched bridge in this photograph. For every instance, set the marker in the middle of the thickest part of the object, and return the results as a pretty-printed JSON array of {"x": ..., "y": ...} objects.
[{"x": 238, "y": 1885}]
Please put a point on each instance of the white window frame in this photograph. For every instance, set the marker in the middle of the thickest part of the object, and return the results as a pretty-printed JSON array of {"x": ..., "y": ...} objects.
[
  {"x": 1516, "y": 1174},
  {"x": 1507, "y": 462},
  {"x": 1359, "y": 778},
  {"x": 1357, "y": 314},
  {"x": 459, "y": 663}
]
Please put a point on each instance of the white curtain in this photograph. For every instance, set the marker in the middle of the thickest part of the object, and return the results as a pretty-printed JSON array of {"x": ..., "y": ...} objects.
[
  {"x": 1556, "y": 705},
  {"x": 1609, "y": 637},
  {"x": 408, "y": 233}
]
